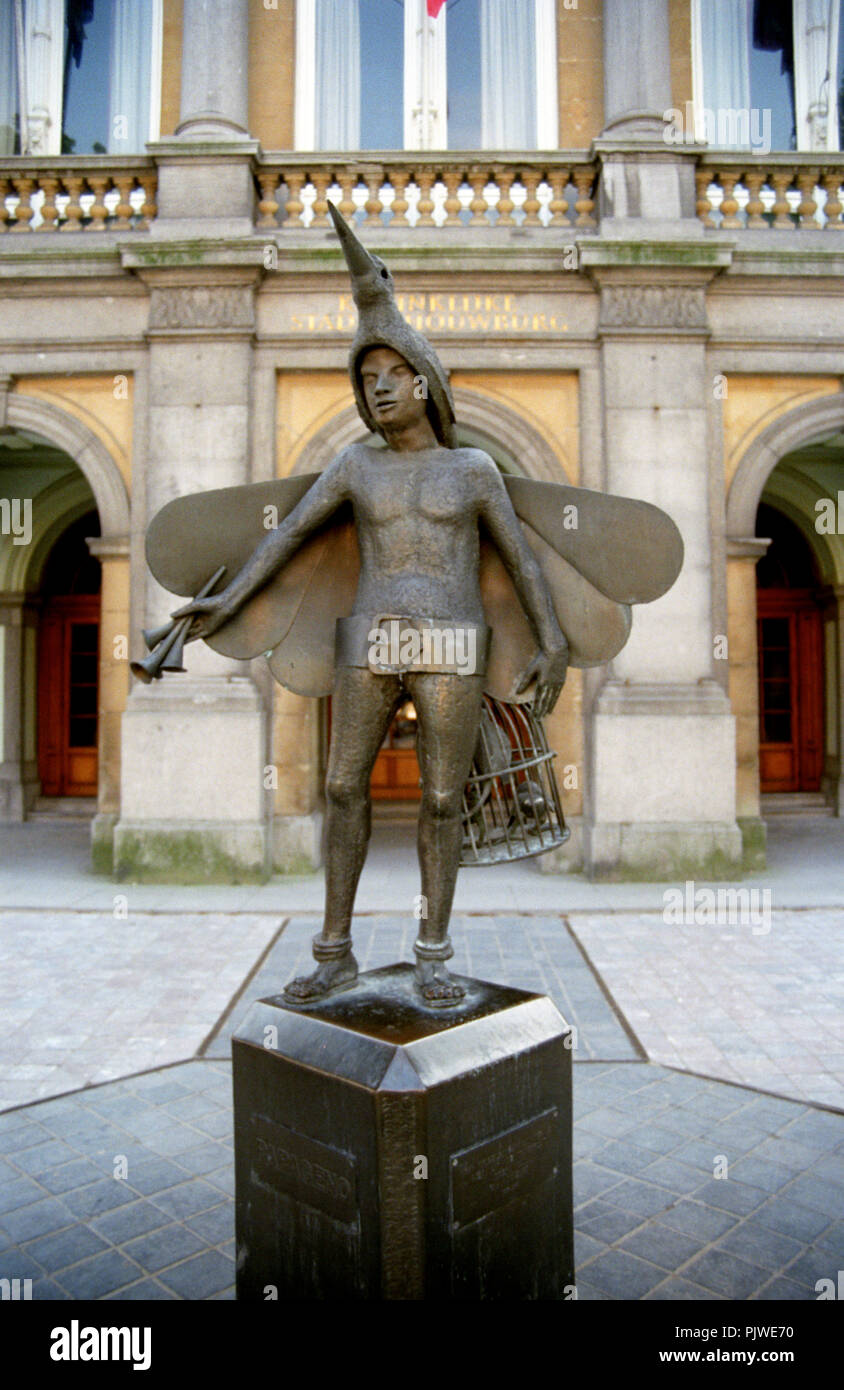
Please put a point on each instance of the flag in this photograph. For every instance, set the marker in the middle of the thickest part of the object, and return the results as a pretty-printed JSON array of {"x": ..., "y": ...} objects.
[{"x": 434, "y": 7}]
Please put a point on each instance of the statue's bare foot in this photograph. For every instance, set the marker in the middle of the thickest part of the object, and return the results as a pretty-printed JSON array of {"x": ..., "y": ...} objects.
[
  {"x": 437, "y": 985},
  {"x": 330, "y": 977}
]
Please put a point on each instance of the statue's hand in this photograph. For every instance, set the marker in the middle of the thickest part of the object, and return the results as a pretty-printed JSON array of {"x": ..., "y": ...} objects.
[
  {"x": 549, "y": 668},
  {"x": 208, "y": 614}
]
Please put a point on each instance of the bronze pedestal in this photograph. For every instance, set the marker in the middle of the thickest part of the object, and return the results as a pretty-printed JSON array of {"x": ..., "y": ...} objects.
[{"x": 385, "y": 1150}]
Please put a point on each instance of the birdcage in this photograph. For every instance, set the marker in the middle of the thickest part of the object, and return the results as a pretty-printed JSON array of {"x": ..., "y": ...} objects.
[{"x": 511, "y": 805}]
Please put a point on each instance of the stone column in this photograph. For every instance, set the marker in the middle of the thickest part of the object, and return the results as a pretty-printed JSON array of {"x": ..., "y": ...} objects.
[
  {"x": 743, "y": 554},
  {"x": 646, "y": 185},
  {"x": 193, "y": 805},
  {"x": 637, "y": 62},
  {"x": 205, "y": 179},
  {"x": 660, "y": 790},
  {"x": 215, "y": 70},
  {"x": 19, "y": 784}
]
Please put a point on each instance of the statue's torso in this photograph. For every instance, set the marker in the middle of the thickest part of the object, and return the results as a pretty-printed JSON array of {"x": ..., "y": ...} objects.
[{"x": 416, "y": 516}]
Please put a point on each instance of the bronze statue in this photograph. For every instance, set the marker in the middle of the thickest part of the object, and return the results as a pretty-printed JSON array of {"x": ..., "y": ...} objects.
[{"x": 432, "y": 557}]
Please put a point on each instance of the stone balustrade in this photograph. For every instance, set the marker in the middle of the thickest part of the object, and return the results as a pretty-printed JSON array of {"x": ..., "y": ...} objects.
[
  {"x": 428, "y": 190},
  {"x": 90, "y": 193},
  {"x": 780, "y": 191}
]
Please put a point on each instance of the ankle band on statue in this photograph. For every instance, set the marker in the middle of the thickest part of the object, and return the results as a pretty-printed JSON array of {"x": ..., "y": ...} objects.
[
  {"x": 425, "y": 951},
  {"x": 331, "y": 950}
]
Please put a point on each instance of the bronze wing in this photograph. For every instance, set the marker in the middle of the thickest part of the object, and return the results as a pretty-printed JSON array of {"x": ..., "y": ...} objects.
[{"x": 599, "y": 555}]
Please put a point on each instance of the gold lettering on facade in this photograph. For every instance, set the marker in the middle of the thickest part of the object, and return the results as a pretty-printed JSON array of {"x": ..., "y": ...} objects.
[{"x": 441, "y": 313}]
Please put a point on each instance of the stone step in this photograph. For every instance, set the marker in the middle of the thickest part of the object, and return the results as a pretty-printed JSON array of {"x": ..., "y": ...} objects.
[
  {"x": 63, "y": 808},
  {"x": 795, "y": 804}
]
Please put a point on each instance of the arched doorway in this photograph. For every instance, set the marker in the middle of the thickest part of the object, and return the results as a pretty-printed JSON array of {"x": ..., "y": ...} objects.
[
  {"x": 68, "y": 664},
  {"x": 791, "y": 659}
]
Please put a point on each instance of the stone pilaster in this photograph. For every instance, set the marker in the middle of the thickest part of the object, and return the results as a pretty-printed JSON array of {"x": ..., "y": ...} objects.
[
  {"x": 193, "y": 805},
  {"x": 743, "y": 554},
  {"x": 660, "y": 787},
  {"x": 19, "y": 784},
  {"x": 113, "y": 555}
]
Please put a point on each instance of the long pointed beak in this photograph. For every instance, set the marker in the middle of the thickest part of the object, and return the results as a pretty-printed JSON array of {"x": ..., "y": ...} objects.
[{"x": 358, "y": 258}]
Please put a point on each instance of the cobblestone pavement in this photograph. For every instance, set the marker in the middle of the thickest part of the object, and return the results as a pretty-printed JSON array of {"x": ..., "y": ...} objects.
[
  {"x": 652, "y": 1221},
  {"x": 686, "y": 1187},
  {"x": 87, "y": 997},
  {"x": 765, "y": 1008}
]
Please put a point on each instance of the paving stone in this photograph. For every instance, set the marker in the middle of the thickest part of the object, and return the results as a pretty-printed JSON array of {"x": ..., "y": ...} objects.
[
  {"x": 679, "y": 1177},
  {"x": 163, "y": 1247},
  {"x": 656, "y": 1138},
  {"x": 781, "y": 1290},
  {"x": 726, "y": 1274},
  {"x": 66, "y": 1247},
  {"x": 19, "y": 1193},
  {"x": 99, "y": 1197},
  {"x": 200, "y": 1276},
  {"x": 100, "y": 1275},
  {"x": 215, "y": 1226},
  {"x": 188, "y": 1199},
  {"x": 40, "y": 1158},
  {"x": 38, "y": 1219},
  {"x": 644, "y": 1198},
  {"x": 791, "y": 1219},
  {"x": 585, "y": 1247},
  {"x": 728, "y": 1195},
  {"x": 17, "y": 1264},
  {"x": 680, "y": 1290},
  {"x": 154, "y": 1174},
  {"x": 760, "y": 1245},
  {"x": 812, "y": 1265},
  {"x": 622, "y": 1157},
  {"x": 145, "y": 1291},
  {"x": 693, "y": 1219},
  {"x": 606, "y": 1223},
  {"x": 591, "y": 1181},
  {"x": 135, "y": 1220},
  {"x": 589, "y": 1293},
  {"x": 661, "y": 1246},
  {"x": 70, "y": 1176},
  {"x": 623, "y": 1276},
  {"x": 761, "y": 1172},
  {"x": 819, "y": 1193}
]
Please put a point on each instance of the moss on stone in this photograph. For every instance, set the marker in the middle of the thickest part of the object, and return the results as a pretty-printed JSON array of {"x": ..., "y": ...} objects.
[{"x": 189, "y": 856}]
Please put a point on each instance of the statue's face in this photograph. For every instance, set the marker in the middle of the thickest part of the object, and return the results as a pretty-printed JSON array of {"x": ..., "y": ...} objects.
[{"x": 389, "y": 386}]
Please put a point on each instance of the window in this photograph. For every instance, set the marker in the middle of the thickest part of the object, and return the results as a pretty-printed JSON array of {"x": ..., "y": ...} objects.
[
  {"x": 86, "y": 74},
  {"x": 426, "y": 74},
  {"x": 769, "y": 74}
]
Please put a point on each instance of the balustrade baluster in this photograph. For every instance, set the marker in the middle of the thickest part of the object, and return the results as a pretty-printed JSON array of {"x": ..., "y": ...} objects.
[
  {"x": 531, "y": 179},
  {"x": 479, "y": 178},
  {"x": 583, "y": 181},
  {"x": 4, "y": 212},
  {"x": 558, "y": 206},
  {"x": 729, "y": 206},
  {"x": 806, "y": 182},
  {"x": 831, "y": 184},
  {"x": 347, "y": 181},
  {"x": 320, "y": 179},
  {"x": 781, "y": 181},
  {"x": 24, "y": 212},
  {"x": 399, "y": 179},
  {"x": 124, "y": 184},
  {"x": 425, "y": 179},
  {"x": 49, "y": 212},
  {"x": 373, "y": 177},
  {"x": 452, "y": 178},
  {"x": 98, "y": 213},
  {"x": 268, "y": 204},
  {"x": 149, "y": 183},
  {"x": 294, "y": 179},
  {"x": 703, "y": 178},
  {"x": 504, "y": 179},
  {"x": 754, "y": 179}
]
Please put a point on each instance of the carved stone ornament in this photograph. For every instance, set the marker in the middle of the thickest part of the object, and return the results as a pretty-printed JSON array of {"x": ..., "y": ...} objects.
[
  {"x": 653, "y": 306},
  {"x": 202, "y": 306}
]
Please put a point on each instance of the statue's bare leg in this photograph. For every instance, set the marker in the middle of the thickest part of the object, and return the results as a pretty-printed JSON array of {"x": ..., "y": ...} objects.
[
  {"x": 449, "y": 711},
  {"x": 361, "y": 709}
]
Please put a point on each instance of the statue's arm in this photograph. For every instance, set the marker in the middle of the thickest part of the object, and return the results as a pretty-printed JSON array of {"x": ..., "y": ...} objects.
[
  {"x": 321, "y": 500},
  {"x": 551, "y": 663}
]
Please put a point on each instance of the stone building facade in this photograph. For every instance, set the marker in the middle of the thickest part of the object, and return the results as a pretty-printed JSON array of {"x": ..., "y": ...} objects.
[{"x": 627, "y": 309}]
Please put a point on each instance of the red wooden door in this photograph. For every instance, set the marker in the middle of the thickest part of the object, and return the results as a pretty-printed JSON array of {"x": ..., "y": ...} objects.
[
  {"x": 68, "y": 666},
  {"x": 790, "y": 639}
]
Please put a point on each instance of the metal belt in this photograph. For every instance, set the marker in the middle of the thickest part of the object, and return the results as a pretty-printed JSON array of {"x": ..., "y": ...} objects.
[{"x": 393, "y": 644}]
